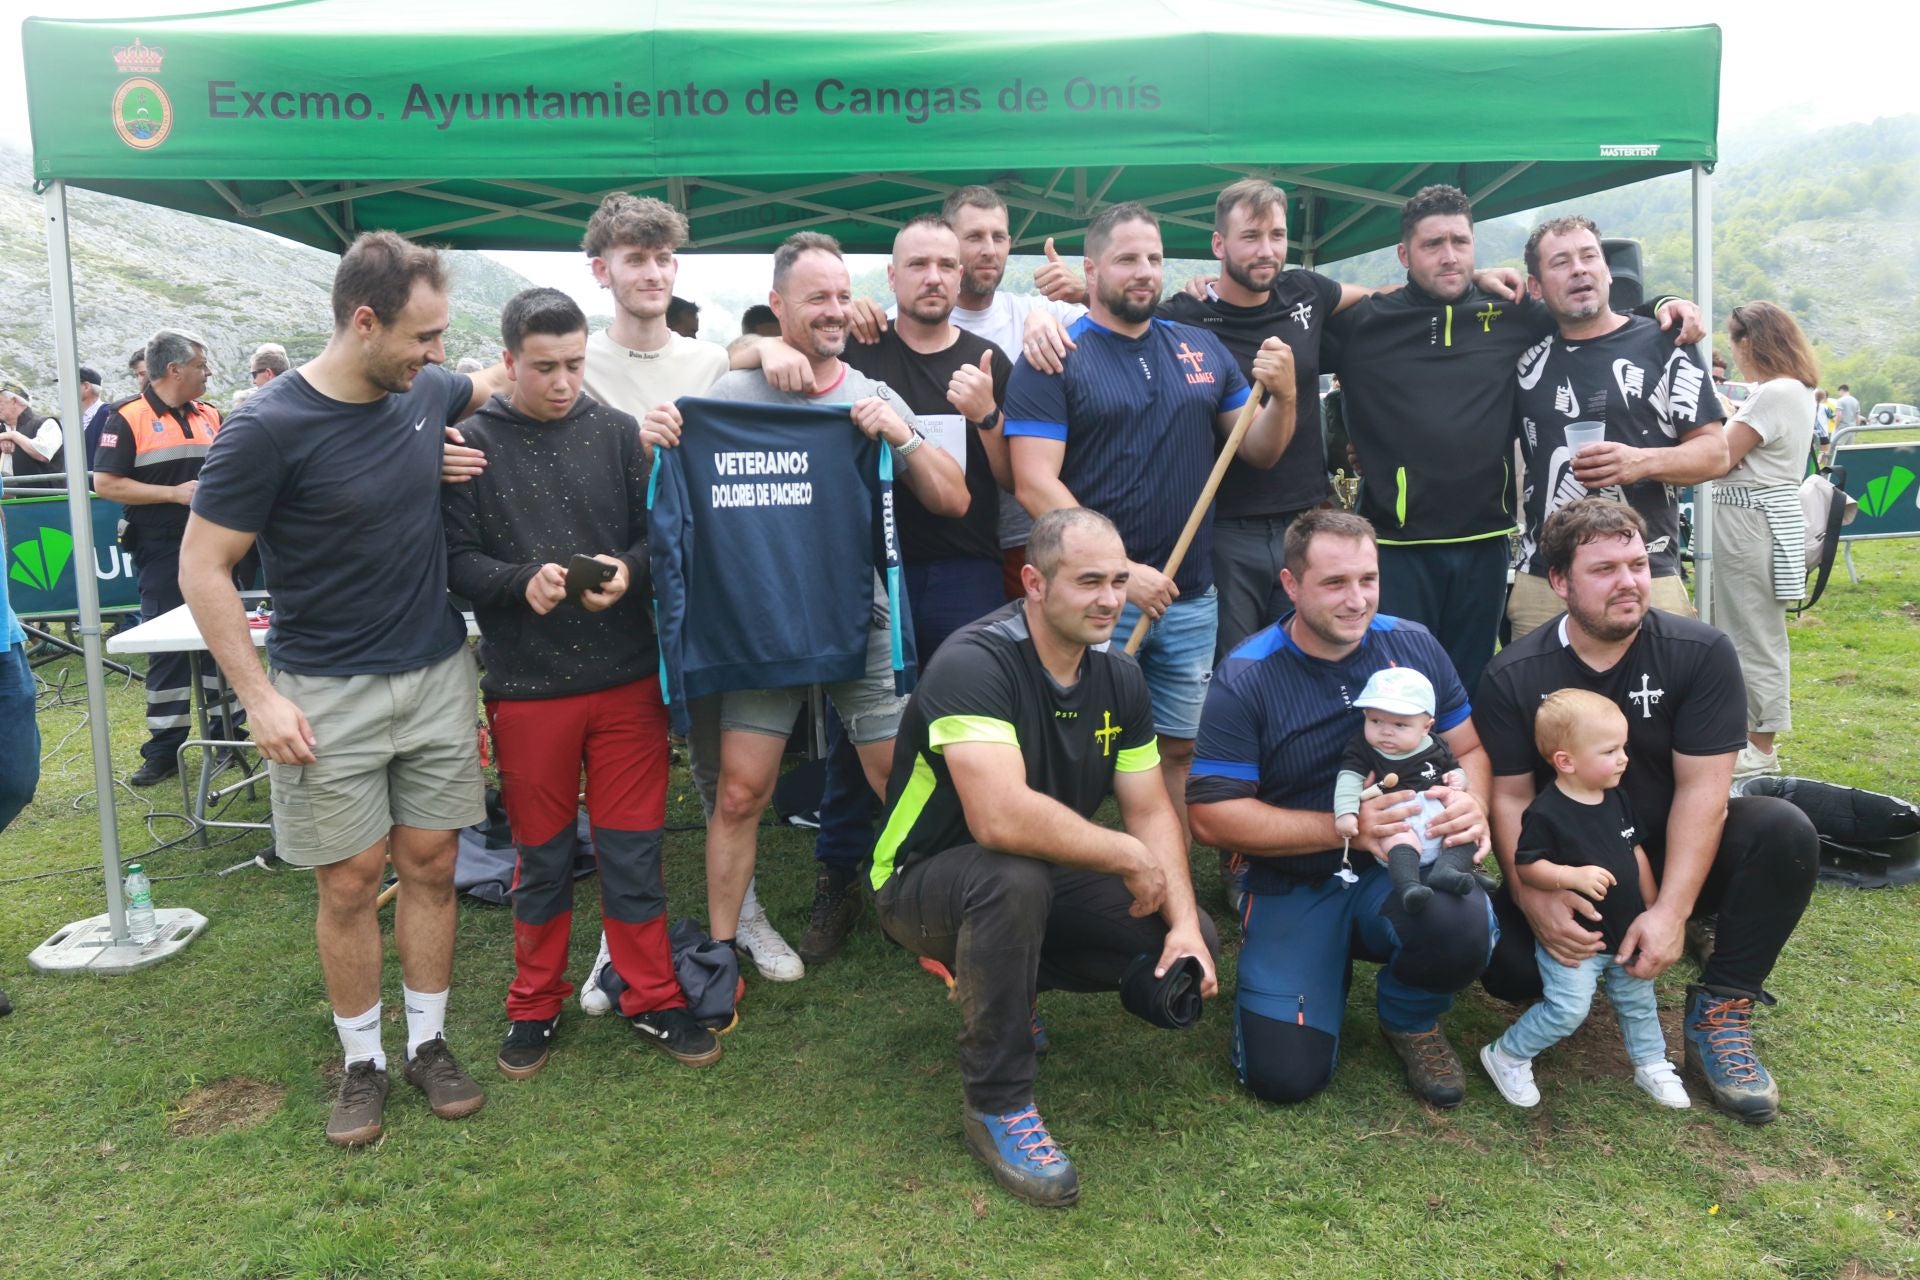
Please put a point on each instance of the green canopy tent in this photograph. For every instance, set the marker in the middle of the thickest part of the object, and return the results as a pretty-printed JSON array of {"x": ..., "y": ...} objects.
[{"x": 486, "y": 124}]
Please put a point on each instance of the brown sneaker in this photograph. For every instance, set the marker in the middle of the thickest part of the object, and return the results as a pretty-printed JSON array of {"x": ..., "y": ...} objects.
[
  {"x": 356, "y": 1112},
  {"x": 836, "y": 909},
  {"x": 1433, "y": 1068},
  {"x": 450, "y": 1091}
]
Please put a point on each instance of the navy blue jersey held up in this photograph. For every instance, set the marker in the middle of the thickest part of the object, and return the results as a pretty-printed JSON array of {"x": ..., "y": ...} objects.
[{"x": 766, "y": 528}]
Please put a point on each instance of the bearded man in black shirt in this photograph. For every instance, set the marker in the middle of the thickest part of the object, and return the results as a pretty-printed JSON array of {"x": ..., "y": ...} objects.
[
  {"x": 991, "y": 862},
  {"x": 1750, "y": 861}
]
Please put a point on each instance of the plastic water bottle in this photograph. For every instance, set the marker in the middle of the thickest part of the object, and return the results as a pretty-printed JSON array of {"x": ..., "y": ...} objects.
[{"x": 141, "y": 926}]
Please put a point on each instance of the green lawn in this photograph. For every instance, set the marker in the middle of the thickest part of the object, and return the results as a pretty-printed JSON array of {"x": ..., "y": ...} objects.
[{"x": 169, "y": 1123}]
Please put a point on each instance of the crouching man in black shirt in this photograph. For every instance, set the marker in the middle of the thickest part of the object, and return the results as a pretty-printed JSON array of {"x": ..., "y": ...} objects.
[
  {"x": 990, "y": 862},
  {"x": 1750, "y": 860}
]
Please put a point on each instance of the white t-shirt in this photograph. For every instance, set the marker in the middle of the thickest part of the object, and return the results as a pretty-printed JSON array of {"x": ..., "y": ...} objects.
[
  {"x": 1780, "y": 412},
  {"x": 636, "y": 381},
  {"x": 1003, "y": 322},
  {"x": 1848, "y": 410}
]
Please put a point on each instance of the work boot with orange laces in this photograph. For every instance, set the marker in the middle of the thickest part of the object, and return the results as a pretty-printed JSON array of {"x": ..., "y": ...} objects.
[
  {"x": 1433, "y": 1068},
  {"x": 1022, "y": 1155},
  {"x": 1718, "y": 1033}
]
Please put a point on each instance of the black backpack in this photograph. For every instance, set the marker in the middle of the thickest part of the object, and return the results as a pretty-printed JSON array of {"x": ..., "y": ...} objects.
[{"x": 1867, "y": 840}]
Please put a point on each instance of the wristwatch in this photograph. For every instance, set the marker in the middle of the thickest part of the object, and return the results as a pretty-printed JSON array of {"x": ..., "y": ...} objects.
[
  {"x": 914, "y": 441},
  {"x": 991, "y": 421}
]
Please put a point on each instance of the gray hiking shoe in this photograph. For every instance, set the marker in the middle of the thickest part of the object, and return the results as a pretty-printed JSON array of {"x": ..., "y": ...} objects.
[
  {"x": 357, "y": 1110},
  {"x": 450, "y": 1091}
]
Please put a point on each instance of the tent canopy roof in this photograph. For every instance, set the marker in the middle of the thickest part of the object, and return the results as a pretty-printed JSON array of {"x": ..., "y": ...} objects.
[{"x": 484, "y": 124}]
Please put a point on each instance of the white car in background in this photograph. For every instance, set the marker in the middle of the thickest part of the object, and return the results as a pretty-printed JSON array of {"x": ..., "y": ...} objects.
[{"x": 1893, "y": 415}]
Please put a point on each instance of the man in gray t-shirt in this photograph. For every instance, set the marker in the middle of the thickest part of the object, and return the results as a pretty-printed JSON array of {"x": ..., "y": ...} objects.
[{"x": 812, "y": 294}]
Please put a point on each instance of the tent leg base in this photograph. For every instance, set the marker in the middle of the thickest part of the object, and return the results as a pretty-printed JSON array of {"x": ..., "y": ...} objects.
[{"x": 87, "y": 946}]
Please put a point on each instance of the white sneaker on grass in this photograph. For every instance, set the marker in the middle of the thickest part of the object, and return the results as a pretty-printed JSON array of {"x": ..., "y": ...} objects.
[
  {"x": 1755, "y": 763},
  {"x": 1663, "y": 1082},
  {"x": 1513, "y": 1077},
  {"x": 594, "y": 999},
  {"x": 776, "y": 961}
]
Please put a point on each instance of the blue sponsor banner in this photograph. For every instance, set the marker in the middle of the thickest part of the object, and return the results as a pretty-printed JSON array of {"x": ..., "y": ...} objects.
[{"x": 42, "y": 561}]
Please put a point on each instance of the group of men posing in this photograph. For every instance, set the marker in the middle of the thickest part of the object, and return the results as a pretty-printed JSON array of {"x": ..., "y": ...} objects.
[{"x": 1027, "y": 715}]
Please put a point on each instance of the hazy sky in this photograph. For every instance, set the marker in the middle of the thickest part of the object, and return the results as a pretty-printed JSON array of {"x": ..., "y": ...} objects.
[{"x": 1787, "y": 66}]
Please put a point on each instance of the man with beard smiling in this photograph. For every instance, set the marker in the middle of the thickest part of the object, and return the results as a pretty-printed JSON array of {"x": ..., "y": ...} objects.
[
  {"x": 368, "y": 722},
  {"x": 954, "y": 383},
  {"x": 1751, "y": 861},
  {"x": 1130, "y": 428},
  {"x": 1278, "y": 716},
  {"x": 813, "y": 296},
  {"x": 1427, "y": 375},
  {"x": 1655, "y": 400}
]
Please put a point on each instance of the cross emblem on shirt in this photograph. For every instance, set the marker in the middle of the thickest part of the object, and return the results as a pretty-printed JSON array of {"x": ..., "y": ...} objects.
[
  {"x": 1487, "y": 317},
  {"x": 1189, "y": 355},
  {"x": 1646, "y": 696},
  {"x": 1107, "y": 733}
]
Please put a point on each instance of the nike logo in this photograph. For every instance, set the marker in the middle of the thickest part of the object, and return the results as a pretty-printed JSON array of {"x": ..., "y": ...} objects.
[{"x": 420, "y": 424}]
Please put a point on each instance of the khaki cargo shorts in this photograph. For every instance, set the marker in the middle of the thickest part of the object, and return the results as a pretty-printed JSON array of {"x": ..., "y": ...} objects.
[{"x": 390, "y": 750}]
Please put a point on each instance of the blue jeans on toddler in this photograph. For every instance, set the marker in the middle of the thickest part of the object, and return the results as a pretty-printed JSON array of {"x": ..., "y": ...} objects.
[{"x": 1568, "y": 996}]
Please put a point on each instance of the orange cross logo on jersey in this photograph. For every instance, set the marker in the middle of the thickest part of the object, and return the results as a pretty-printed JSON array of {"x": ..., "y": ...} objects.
[{"x": 1196, "y": 362}]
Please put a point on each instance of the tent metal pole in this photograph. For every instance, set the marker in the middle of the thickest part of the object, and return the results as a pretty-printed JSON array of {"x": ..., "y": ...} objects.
[
  {"x": 1703, "y": 298},
  {"x": 80, "y": 512},
  {"x": 98, "y": 944}
]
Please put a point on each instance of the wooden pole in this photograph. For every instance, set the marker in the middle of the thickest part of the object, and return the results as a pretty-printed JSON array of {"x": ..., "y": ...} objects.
[{"x": 1248, "y": 412}]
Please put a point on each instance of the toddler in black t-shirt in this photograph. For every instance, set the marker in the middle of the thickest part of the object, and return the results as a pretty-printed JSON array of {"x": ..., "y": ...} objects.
[
  {"x": 1579, "y": 834},
  {"x": 1397, "y": 742}
]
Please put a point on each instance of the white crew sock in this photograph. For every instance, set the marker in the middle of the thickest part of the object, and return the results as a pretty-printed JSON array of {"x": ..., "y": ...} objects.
[
  {"x": 426, "y": 1017},
  {"x": 360, "y": 1037},
  {"x": 750, "y": 905}
]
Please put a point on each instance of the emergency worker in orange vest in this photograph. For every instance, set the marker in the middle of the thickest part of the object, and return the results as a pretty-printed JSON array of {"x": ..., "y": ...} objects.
[{"x": 149, "y": 457}]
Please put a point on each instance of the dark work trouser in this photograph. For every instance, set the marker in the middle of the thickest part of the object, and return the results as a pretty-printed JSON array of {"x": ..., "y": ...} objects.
[
  {"x": 1457, "y": 590},
  {"x": 1248, "y": 552},
  {"x": 1297, "y": 965},
  {"x": 945, "y": 595},
  {"x": 620, "y": 735},
  {"x": 156, "y": 561},
  {"x": 1009, "y": 928},
  {"x": 1761, "y": 881}
]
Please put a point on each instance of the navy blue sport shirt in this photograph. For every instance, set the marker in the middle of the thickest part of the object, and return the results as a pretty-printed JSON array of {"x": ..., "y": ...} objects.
[
  {"x": 1140, "y": 417},
  {"x": 1277, "y": 720}
]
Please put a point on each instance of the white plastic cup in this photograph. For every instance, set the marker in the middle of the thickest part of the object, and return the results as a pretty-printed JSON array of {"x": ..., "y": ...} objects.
[{"x": 1582, "y": 434}]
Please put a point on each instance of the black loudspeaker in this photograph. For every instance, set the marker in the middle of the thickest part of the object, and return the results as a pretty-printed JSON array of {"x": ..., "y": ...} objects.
[{"x": 1629, "y": 283}]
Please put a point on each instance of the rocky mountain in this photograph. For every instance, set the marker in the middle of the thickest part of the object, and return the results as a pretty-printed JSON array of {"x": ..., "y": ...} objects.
[{"x": 137, "y": 268}]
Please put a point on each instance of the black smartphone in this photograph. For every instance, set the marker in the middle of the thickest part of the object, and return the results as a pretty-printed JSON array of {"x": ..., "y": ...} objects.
[{"x": 585, "y": 574}]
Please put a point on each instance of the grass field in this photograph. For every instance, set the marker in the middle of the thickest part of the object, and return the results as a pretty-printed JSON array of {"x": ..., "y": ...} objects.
[{"x": 169, "y": 1123}]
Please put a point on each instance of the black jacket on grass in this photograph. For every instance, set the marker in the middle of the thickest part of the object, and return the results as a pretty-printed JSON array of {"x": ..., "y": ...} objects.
[{"x": 552, "y": 490}]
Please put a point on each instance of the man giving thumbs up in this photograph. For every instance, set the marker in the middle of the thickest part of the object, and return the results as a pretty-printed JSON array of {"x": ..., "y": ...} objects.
[{"x": 954, "y": 382}]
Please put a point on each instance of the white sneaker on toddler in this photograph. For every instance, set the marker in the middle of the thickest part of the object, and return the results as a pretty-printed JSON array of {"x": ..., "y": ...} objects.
[
  {"x": 1513, "y": 1077},
  {"x": 1663, "y": 1082}
]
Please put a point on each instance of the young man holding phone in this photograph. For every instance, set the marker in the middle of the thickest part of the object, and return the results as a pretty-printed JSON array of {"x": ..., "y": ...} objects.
[{"x": 549, "y": 544}]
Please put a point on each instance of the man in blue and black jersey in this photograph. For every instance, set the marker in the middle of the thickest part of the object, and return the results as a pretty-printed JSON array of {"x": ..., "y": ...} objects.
[
  {"x": 991, "y": 862},
  {"x": 1131, "y": 428},
  {"x": 1427, "y": 373},
  {"x": 1278, "y": 717}
]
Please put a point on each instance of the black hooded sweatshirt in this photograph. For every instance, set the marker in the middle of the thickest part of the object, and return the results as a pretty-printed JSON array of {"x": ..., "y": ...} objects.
[{"x": 552, "y": 490}]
